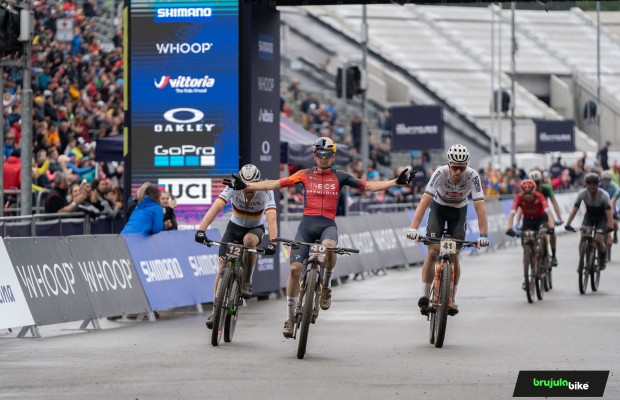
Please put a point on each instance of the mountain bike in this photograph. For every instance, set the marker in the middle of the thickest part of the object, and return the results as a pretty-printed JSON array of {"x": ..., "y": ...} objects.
[
  {"x": 536, "y": 263},
  {"x": 227, "y": 298},
  {"x": 311, "y": 285},
  {"x": 589, "y": 258},
  {"x": 443, "y": 285}
]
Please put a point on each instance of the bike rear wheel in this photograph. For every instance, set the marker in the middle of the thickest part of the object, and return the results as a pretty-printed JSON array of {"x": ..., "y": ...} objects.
[
  {"x": 595, "y": 272},
  {"x": 307, "y": 309},
  {"x": 220, "y": 305},
  {"x": 441, "y": 318},
  {"x": 528, "y": 274},
  {"x": 585, "y": 266}
]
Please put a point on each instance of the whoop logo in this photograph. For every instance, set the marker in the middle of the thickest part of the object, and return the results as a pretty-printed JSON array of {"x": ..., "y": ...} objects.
[
  {"x": 183, "y": 120},
  {"x": 183, "y": 48}
]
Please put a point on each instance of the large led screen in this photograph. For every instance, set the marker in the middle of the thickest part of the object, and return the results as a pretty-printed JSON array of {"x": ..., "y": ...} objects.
[{"x": 184, "y": 99}]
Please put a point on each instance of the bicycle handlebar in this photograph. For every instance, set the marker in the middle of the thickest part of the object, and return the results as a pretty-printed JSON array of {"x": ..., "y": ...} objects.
[
  {"x": 430, "y": 240},
  {"x": 257, "y": 250},
  {"x": 295, "y": 244}
]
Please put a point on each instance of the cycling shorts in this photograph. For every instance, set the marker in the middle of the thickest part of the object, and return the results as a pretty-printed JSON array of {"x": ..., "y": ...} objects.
[
  {"x": 311, "y": 229},
  {"x": 534, "y": 223},
  {"x": 600, "y": 222},
  {"x": 235, "y": 233},
  {"x": 440, "y": 214}
]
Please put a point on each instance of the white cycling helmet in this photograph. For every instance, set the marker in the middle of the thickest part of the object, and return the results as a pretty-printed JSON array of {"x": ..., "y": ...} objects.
[
  {"x": 249, "y": 173},
  {"x": 458, "y": 155},
  {"x": 535, "y": 175},
  {"x": 608, "y": 175}
]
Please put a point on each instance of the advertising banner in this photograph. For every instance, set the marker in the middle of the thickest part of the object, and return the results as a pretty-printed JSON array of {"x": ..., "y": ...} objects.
[
  {"x": 354, "y": 233},
  {"x": 400, "y": 222},
  {"x": 555, "y": 136},
  {"x": 260, "y": 79},
  {"x": 108, "y": 273},
  {"x": 50, "y": 280},
  {"x": 184, "y": 99},
  {"x": 14, "y": 311},
  {"x": 175, "y": 271},
  {"x": 385, "y": 239},
  {"x": 417, "y": 128}
]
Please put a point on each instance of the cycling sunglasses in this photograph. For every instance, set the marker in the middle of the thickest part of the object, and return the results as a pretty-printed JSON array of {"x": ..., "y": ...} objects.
[
  {"x": 461, "y": 168},
  {"x": 323, "y": 154}
]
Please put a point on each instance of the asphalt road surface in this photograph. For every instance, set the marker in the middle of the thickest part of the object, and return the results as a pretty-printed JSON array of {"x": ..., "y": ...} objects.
[{"x": 372, "y": 344}]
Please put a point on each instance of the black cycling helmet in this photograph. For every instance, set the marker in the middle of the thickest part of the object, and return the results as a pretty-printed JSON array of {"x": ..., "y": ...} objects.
[{"x": 592, "y": 178}]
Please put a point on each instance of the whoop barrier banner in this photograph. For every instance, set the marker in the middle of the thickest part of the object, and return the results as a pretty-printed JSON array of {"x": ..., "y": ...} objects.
[
  {"x": 14, "y": 309},
  {"x": 175, "y": 271},
  {"x": 109, "y": 276},
  {"x": 417, "y": 128},
  {"x": 555, "y": 136},
  {"x": 50, "y": 280}
]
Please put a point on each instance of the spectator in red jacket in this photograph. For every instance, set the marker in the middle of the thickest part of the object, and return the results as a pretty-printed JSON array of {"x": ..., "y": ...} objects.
[{"x": 13, "y": 171}]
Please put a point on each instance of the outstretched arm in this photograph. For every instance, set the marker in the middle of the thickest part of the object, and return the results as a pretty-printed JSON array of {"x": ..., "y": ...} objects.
[
  {"x": 377, "y": 186},
  {"x": 264, "y": 185}
]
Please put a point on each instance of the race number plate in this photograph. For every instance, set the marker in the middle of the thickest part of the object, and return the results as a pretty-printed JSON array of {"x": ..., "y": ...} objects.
[
  {"x": 234, "y": 250},
  {"x": 448, "y": 246},
  {"x": 317, "y": 250}
]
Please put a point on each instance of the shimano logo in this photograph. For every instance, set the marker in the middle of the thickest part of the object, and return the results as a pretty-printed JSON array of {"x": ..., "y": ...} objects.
[
  {"x": 265, "y": 116},
  {"x": 265, "y": 47},
  {"x": 182, "y": 14},
  {"x": 265, "y": 84},
  {"x": 184, "y": 120},
  {"x": 175, "y": 156},
  {"x": 183, "y": 48},
  {"x": 186, "y": 84}
]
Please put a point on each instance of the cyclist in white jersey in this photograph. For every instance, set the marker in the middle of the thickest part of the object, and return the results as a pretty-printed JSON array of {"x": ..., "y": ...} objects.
[
  {"x": 446, "y": 194},
  {"x": 250, "y": 209}
]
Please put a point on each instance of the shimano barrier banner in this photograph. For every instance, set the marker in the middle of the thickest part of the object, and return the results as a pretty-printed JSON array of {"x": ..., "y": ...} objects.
[
  {"x": 108, "y": 273},
  {"x": 385, "y": 239},
  {"x": 260, "y": 84},
  {"x": 184, "y": 99},
  {"x": 417, "y": 128},
  {"x": 175, "y": 271},
  {"x": 555, "y": 135},
  {"x": 14, "y": 311},
  {"x": 50, "y": 280}
]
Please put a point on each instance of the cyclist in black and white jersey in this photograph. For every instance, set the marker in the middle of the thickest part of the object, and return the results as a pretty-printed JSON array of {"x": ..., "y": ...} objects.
[
  {"x": 446, "y": 194},
  {"x": 598, "y": 212},
  {"x": 250, "y": 209}
]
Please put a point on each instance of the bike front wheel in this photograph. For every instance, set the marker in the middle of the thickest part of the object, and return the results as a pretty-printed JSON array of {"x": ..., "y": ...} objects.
[
  {"x": 595, "y": 273},
  {"x": 220, "y": 306},
  {"x": 307, "y": 309},
  {"x": 548, "y": 280},
  {"x": 233, "y": 312},
  {"x": 432, "y": 320},
  {"x": 588, "y": 259},
  {"x": 441, "y": 319},
  {"x": 528, "y": 274}
]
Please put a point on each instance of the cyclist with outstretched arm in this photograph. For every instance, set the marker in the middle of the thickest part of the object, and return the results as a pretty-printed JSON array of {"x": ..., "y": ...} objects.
[
  {"x": 321, "y": 188},
  {"x": 598, "y": 212},
  {"x": 250, "y": 209},
  {"x": 446, "y": 195}
]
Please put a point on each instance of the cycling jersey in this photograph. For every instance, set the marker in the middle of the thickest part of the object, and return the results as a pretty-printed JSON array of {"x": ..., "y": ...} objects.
[
  {"x": 595, "y": 206},
  {"x": 535, "y": 208},
  {"x": 448, "y": 194},
  {"x": 547, "y": 191},
  {"x": 612, "y": 190},
  {"x": 250, "y": 213},
  {"x": 322, "y": 189}
]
